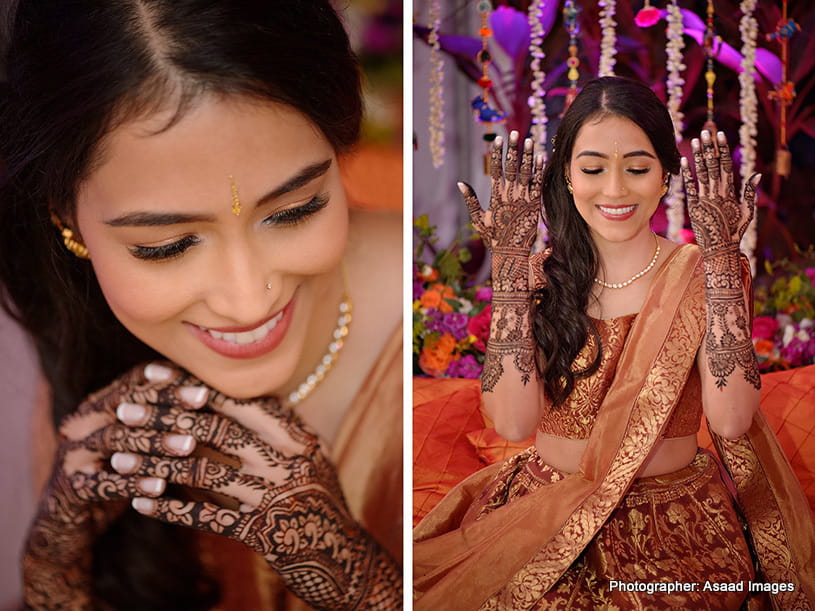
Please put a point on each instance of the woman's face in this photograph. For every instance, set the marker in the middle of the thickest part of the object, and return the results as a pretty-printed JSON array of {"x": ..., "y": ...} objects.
[
  {"x": 616, "y": 177},
  {"x": 184, "y": 272}
]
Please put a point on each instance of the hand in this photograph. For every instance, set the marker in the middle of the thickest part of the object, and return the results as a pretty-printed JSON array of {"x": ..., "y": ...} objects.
[
  {"x": 515, "y": 203},
  {"x": 79, "y": 500},
  {"x": 718, "y": 218},
  {"x": 291, "y": 507}
]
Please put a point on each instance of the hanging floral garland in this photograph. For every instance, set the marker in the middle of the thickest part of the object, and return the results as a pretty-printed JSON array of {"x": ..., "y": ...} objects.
[
  {"x": 608, "y": 43},
  {"x": 572, "y": 25},
  {"x": 675, "y": 199},
  {"x": 436, "y": 124},
  {"x": 537, "y": 102},
  {"x": 748, "y": 27}
]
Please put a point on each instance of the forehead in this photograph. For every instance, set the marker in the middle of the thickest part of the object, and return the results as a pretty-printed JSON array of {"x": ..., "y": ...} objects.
[
  {"x": 256, "y": 142},
  {"x": 611, "y": 133}
]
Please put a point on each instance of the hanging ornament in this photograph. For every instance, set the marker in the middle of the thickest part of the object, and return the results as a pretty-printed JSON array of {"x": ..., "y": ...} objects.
[
  {"x": 748, "y": 111},
  {"x": 646, "y": 16},
  {"x": 784, "y": 92},
  {"x": 436, "y": 122},
  {"x": 608, "y": 43},
  {"x": 711, "y": 49},
  {"x": 570, "y": 14},
  {"x": 483, "y": 112},
  {"x": 675, "y": 199},
  {"x": 537, "y": 102}
]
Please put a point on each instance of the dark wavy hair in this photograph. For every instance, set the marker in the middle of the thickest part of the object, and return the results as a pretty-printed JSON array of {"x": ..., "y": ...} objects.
[
  {"x": 561, "y": 325},
  {"x": 77, "y": 69}
]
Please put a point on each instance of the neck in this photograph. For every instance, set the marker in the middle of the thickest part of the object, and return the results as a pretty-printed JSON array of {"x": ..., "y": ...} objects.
[{"x": 618, "y": 261}]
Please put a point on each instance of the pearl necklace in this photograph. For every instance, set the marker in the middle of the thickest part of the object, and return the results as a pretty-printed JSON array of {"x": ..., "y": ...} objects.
[
  {"x": 637, "y": 276},
  {"x": 333, "y": 353}
]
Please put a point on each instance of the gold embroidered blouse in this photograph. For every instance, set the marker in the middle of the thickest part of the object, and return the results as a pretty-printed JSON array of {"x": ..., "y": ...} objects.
[{"x": 575, "y": 418}]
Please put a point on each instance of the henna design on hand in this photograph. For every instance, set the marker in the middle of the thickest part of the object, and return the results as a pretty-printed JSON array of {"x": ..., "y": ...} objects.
[
  {"x": 294, "y": 513},
  {"x": 719, "y": 221},
  {"x": 509, "y": 232}
]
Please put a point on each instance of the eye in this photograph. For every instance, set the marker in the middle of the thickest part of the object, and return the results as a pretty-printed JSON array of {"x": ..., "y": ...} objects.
[
  {"x": 592, "y": 171},
  {"x": 165, "y": 251},
  {"x": 639, "y": 171},
  {"x": 293, "y": 216}
]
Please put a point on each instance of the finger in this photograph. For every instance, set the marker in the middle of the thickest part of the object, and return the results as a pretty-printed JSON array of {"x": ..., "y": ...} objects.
[
  {"x": 749, "y": 197},
  {"x": 200, "y": 515},
  {"x": 699, "y": 163},
  {"x": 473, "y": 206},
  {"x": 527, "y": 158},
  {"x": 121, "y": 438},
  {"x": 711, "y": 161},
  {"x": 726, "y": 160},
  {"x": 496, "y": 168},
  {"x": 511, "y": 165},
  {"x": 536, "y": 188},
  {"x": 103, "y": 485}
]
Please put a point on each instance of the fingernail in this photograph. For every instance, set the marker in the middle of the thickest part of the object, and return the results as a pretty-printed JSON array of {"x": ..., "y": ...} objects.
[
  {"x": 756, "y": 179},
  {"x": 194, "y": 395},
  {"x": 143, "y": 505},
  {"x": 513, "y": 136},
  {"x": 705, "y": 136},
  {"x": 720, "y": 137},
  {"x": 123, "y": 462},
  {"x": 157, "y": 373},
  {"x": 130, "y": 413},
  {"x": 152, "y": 485},
  {"x": 528, "y": 144},
  {"x": 683, "y": 161},
  {"x": 180, "y": 443},
  {"x": 539, "y": 159},
  {"x": 245, "y": 508},
  {"x": 694, "y": 143},
  {"x": 499, "y": 141},
  {"x": 462, "y": 187}
]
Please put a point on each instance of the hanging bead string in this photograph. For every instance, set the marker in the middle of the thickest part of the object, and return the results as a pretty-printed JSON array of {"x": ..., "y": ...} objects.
[
  {"x": 570, "y": 13},
  {"x": 436, "y": 122},
  {"x": 608, "y": 43},
  {"x": 784, "y": 93},
  {"x": 748, "y": 111},
  {"x": 710, "y": 74},
  {"x": 675, "y": 200},
  {"x": 482, "y": 110},
  {"x": 537, "y": 100}
]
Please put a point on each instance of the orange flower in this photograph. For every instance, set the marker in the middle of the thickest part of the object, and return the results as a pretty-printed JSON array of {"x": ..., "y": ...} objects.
[
  {"x": 428, "y": 273},
  {"x": 764, "y": 347},
  {"x": 435, "y": 295},
  {"x": 430, "y": 299},
  {"x": 436, "y": 357}
]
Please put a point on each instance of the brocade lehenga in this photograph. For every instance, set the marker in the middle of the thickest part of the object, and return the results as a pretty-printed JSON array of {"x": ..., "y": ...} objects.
[{"x": 522, "y": 535}]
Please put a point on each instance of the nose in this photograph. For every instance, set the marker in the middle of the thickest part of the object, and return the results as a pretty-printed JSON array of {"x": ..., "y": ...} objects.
[
  {"x": 242, "y": 288},
  {"x": 615, "y": 184}
]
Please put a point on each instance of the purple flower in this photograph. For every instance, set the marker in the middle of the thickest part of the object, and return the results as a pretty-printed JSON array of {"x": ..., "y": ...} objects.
[
  {"x": 795, "y": 352},
  {"x": 466, "y": 367},
  {"x": 484, "y": 293},
  {"x": 455, "y": 323},
  {"x": 435, "y": 322}
]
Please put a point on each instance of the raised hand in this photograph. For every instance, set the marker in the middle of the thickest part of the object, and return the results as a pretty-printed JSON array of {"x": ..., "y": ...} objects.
[
  {"x": 719, "y": 221},
  {"x": 509, "y": 228},
  {"x": 291, "y": 507},
  {"x": 83, "y": 494}
]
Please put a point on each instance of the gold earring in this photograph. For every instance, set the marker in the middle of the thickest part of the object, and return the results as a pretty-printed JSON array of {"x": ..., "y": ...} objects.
[
  {"x": 71, "y": 243},
  {"x": 236, "y": 202},
  {"x": 569, "y": 186},
  {"x": 664, "y": 190}
]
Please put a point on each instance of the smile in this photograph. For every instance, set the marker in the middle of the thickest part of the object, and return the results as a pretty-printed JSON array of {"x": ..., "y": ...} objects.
[
  {"x": 246, "y": 337},
  {"x": 617, "y": 213},
  {"x": 246, "y": 342}
]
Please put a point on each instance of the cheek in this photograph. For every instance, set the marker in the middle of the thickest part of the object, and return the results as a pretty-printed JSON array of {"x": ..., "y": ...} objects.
[{"x": 319, "y": 248}]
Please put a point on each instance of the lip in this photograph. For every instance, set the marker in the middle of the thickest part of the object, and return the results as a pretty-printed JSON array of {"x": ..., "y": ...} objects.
[
  {"x": 617, "y": 217},
  {"x": 254, "y": 349}
]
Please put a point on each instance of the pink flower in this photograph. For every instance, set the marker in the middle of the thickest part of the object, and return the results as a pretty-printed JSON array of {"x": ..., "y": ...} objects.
[
  {"x": 810, "y": 271},
  {"x": 479, "y": 326},
  {"x": 765, "y": 327},
  {"x": 485, "y": 293},
  {"x": 647, "y": 16}
]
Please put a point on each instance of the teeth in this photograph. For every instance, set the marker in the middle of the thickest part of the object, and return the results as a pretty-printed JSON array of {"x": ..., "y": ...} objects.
[
  {"x": 247, "y": 337},
  {"x": 617, "y": 211}
]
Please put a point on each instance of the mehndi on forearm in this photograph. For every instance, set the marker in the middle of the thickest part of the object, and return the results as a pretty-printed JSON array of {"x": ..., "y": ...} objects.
[
  {"x": 728, "y": 339},
  {"x": 511, "y": 320}
]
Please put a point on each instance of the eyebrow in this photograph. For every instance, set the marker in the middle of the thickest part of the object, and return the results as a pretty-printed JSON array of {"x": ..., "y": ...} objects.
[
  {"x": 626, "y": 156},
  {"x": 160, "y": 219}
]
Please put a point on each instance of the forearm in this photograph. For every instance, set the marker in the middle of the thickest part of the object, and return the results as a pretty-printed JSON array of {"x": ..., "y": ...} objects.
[
  {"x": 729, "y": 370},
  {"x": 509, "y": 382}
]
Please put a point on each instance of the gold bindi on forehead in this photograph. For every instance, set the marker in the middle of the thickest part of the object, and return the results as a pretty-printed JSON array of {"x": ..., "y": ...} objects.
[
  {"x": 616, "y": 152},
  {"x": 236, "y": 202}
]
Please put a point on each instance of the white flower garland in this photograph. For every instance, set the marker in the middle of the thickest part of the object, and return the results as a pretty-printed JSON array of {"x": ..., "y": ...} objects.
[
  {"x": 436, "y": 124},
  {"x": 675, "y": 199},
  {"x": 748, "y": 27},
  {"x": 537, "y": 98},
  {"x": 608, "y": 44}
]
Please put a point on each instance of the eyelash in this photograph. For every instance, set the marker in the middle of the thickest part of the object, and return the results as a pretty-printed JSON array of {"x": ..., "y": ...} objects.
[
  {"x": 635, "y": 171},
  {"x": 288, "y": 217}
]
